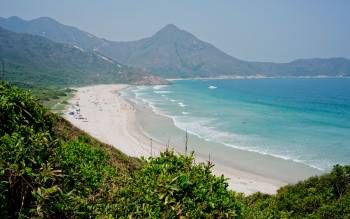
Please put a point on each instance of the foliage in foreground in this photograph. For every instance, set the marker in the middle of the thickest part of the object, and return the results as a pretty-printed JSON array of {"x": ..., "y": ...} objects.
[
  {"x": 171, "y": 186},
  {"x": 327, "y": 196},
  {"x": 50, "y": 169}
]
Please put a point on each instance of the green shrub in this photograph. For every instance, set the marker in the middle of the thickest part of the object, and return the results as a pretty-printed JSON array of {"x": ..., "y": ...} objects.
[
  {"x": 171, "y": 186},
  {"x": 19, "y": 109},
  {"x": 327, "y": 196},
  {"x": 26, "y": 146},
  {"x": 89, "y": 177}
]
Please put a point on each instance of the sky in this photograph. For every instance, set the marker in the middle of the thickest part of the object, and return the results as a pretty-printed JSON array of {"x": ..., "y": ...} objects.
[{"x": 264, "y": 30}]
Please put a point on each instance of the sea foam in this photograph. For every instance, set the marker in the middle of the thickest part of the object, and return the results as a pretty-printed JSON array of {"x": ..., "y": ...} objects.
[{"x": 303, "y": 120}]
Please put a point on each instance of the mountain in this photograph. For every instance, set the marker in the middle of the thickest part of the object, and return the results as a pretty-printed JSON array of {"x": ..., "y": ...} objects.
[
  {"x": 173, "y": 53},
  {"x": 53, "y": 30},
  {"x": 176, "y": 53},
  {"x": 170, "y": 52},
  {"x": 37, "y": 60}
]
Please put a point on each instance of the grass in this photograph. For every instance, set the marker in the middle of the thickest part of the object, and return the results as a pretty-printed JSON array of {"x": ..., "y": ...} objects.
[{"x": 55, "y": 98}]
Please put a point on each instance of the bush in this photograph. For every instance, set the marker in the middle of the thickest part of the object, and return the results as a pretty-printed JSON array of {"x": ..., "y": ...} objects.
[
  {"x": 327, "y": 196},
  {"x": 26, "y": 146},
  {"x": 18, "y": 109},
  {"x": 171, "y": 186}
]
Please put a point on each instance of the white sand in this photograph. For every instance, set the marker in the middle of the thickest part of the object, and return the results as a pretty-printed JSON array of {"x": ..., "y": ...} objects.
[{"x": 111, "y": 119}]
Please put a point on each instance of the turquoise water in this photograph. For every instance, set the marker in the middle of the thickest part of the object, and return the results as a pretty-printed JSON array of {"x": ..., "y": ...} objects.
[{"x": 305, "y": 120}]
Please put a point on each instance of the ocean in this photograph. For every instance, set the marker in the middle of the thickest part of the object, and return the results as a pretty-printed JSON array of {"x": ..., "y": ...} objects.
[{"x": 305, "y": 120}]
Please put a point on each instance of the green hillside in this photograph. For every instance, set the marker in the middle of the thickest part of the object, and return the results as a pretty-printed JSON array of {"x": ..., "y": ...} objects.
[
  {"x": 50, "y": 169},
  {"x": 29, "y": 59}
]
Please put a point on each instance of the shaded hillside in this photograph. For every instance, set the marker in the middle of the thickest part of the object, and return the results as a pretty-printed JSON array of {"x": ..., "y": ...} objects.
[
  {"x": 172, "y": 52},
  {"x": 51, "y": 29},
  {"x": 36, "y": 60}
]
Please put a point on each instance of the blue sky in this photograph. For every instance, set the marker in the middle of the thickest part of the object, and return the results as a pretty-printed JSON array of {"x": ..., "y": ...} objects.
[{"x": 265, "y": 30}]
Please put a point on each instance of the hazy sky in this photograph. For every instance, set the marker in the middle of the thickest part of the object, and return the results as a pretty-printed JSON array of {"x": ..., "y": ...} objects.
[{"x": 265, "y": 30}]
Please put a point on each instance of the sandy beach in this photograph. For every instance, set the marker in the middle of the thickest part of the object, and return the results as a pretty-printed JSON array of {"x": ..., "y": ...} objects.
[{"x": 102, "y": 112}]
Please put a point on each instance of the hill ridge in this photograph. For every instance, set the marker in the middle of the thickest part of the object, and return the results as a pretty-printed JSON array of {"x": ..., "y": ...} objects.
[
  {"x": 174, "y": 53},
  {"x": 35, "y": 59}
]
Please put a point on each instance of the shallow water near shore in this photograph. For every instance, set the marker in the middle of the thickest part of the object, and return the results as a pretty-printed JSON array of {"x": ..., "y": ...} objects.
[{"x": 264, "y": 126}]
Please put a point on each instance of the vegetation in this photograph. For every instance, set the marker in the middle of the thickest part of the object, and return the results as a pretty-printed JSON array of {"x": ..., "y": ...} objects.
[
  {"x": 171, "y": 186},
  {"x": 327, "y": 196},
  {"x": 54, "y": 98},
  {"x": 50, "y": 169},
  {"x": 35, "y": 60}
]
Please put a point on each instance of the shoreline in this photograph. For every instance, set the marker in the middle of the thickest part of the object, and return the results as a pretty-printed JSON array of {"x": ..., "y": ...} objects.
[
  {"x": 270, "y": 168},
  {"x": 117, "y": 121},
  {"x": 108, "y": 117}
]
